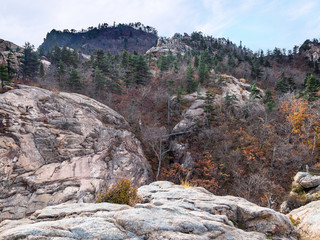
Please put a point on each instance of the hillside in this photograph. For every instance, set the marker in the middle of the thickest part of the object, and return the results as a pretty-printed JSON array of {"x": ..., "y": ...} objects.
[
  {"x": 205, "y": 109},
  {"x": 113, "y": 39}
]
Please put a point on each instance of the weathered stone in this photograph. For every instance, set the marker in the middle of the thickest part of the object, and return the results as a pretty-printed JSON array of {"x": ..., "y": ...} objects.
[
  {"x": 194, "y": 114},
  {"x": 8, "y": 48},
  {"x": 309, "y": 181},
  {"x": 61, "y": 147},
  {"x": 164, "y": 46},
  {"x": 307, "y": 219},
  {"x": 169, "y": 212},
  {"x": 305, "y": 188},
  {"x": 188, "y": 161}
]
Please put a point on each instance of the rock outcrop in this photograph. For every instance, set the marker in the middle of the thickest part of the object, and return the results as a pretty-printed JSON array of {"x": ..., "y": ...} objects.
[
  {"x": 164, "y": 46},
  {"x": 61, "y": 147},
  {"x": 9, "y": 49},
  {"x": 235, "y": 88},
  {"x": 311, "y": 50},
  {"x": 305, "y": 189},
  {"x": 168, "y": 211},
  {"x": 195, "y": 113},
  {"x": 307, "y": 219}
]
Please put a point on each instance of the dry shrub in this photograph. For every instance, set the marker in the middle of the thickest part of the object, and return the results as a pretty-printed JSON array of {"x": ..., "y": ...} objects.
[{"x": 122, "y": 193}]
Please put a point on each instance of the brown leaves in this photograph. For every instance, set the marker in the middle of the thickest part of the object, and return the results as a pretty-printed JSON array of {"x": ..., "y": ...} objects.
[{"x": 296, "y": 113}]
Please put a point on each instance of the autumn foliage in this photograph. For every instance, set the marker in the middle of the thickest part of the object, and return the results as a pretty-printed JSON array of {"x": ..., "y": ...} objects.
[{"x": 296, "y": 113}]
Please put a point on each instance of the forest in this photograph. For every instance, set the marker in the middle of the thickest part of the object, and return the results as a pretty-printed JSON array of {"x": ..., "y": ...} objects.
[{"x": 251, "y": 150}]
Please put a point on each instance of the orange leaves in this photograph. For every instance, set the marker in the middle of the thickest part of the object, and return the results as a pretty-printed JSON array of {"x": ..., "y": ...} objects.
[
  {"x": 249, "y": 145},
  {"x": 296, "y": 112},
  {"x": 206, "y": 172}
]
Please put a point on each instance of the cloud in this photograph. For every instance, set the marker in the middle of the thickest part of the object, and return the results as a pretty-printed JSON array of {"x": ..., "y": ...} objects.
[
  {"x": 223, "y": 14},
  {"x": 300, "y": 9},
  {"x": 264, "y": 22}
]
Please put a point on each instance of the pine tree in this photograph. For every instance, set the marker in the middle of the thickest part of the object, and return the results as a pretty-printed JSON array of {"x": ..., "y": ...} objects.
[
  {"x": 203, "y": 72},
  {"x": 268, "y": 100},
  {"x": 196, "y": 61},
  {"x": 208, "y": 107},
  {"x": 74, "y": 80},
  {"x": 124, "y": 59},
  {"x": 10, "y": 69},
  {"x": 61, "y": 70},
  {"x": 191, "y": 83},
  {"x": 41, "y": 71},
  {"x": 175, "y": 66},
  {"x": 285, "y": 84},
  {"x": 4, "y": 77},
  {"x": 229, "y": 99},
  {"x": 30, "y": 62},
  {"x": 102, "y": 61},
  {"x": 99, "y": 80},
  {"x": 141, "y": 70},
  {"x": 254, "y": 91},
  {"x": 312, "y": 85}
]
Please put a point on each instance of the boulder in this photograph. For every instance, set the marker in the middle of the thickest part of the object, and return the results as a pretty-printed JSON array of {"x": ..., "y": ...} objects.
[
  {"x": 307, "y": 219},
  {"x": 61, "y": 147},
  {"x": 309, "y": 181},
  {"x": 305, "y": 188},
  {"x": 168, "y": 211}
]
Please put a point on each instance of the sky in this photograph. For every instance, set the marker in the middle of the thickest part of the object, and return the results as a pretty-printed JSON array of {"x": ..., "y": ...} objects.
[{"x": 259, "y": 24}]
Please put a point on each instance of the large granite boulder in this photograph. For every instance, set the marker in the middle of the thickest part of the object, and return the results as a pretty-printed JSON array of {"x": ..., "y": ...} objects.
[
  {"x": 307, "y": 219},
  {"x": 168, "y": 211},
  {"x": 61, "y": 147}
]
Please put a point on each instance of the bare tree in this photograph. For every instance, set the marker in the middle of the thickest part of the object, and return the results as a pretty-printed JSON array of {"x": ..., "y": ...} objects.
[{"x": 154, "y": 137}]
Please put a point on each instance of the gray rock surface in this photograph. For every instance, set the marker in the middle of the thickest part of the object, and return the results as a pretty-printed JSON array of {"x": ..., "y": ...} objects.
[
  {"x": 169, "y": 212},
  {"x": 308, "y": 220},
  {"x": 164, "y": 46},
  {"x": 305, "y": 189},
  {"x": 61, "y": 147},
  {"x": 195, "y": 113},
  {"x": 308, "y": 181},
  {"x": 7, "y": 48}
]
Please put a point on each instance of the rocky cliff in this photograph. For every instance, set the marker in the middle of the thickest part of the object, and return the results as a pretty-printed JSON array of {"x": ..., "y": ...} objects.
[
  {"x": 168, "y": 211},
  {"x": 8, "y": 48},
  {"x": 61, "y": 147},
  {"x": 110, "y": 39},
  {"x": 311, "y": 50},
  {"x": 173, "y": 45}
]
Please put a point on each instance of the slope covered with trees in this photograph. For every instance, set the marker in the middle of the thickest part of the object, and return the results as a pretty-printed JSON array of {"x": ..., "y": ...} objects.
[{"x": 252, "y": 149}]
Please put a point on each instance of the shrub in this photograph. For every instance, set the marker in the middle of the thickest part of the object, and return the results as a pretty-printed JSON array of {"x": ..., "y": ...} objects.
[
  {"x": 122, "y": 193},
  {"x": 186, "y": 183},
  {"x": 298, "y": 189},
  {"x": 295, "y": 222}
]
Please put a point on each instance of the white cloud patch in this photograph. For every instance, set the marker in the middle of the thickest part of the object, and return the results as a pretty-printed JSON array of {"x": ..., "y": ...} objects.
[{"x": 300, "y": 9}]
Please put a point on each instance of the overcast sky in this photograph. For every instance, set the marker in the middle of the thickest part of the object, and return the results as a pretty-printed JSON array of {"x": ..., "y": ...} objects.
[{"x": 259, "y": 24}]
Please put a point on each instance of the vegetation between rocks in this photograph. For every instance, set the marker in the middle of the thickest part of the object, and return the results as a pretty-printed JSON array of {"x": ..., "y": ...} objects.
[{"x": 123, "y": 192}]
